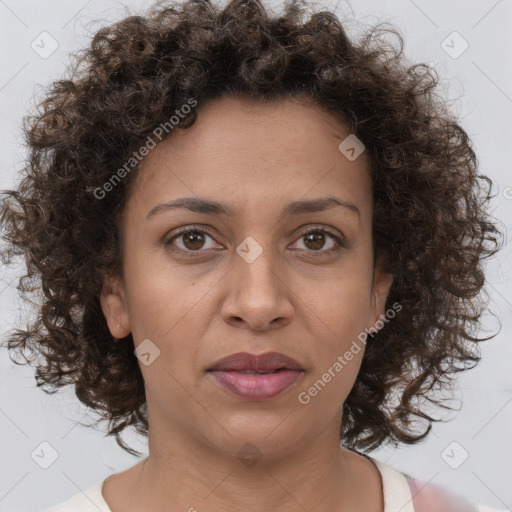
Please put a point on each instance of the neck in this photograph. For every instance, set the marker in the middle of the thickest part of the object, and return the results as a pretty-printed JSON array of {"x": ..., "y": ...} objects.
[{"x": 183, "y": 473}]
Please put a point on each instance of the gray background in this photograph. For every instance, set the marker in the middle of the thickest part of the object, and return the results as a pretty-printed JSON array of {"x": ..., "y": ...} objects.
[{"x": 480, "y": 81}]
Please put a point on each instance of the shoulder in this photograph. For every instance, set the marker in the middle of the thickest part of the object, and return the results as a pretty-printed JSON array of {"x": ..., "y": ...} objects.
[
  {"x": 428, "y": 497},
  {"x": 90, "y": 500}
]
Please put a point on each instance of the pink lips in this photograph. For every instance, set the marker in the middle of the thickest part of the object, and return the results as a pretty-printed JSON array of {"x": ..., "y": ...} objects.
[{"x": 256, "y": 377}]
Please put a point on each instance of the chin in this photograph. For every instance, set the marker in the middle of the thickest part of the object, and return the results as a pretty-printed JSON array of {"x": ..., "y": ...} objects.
[{"x": 254, "y": 439}]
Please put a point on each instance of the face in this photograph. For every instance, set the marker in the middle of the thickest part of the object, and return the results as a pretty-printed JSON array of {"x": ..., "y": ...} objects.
[{"x": 246, "y": 276}]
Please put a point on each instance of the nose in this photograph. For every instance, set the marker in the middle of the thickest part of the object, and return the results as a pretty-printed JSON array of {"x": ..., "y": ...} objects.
[{"x": 259, "y": 298}]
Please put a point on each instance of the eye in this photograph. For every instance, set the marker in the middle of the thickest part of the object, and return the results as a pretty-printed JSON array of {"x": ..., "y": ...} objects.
[
  {"x": 191, "y": 239},
  {"x": 315, "y": 239}
]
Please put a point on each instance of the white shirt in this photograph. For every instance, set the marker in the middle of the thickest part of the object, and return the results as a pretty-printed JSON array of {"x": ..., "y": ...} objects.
[{"x": 396, "y": 491}]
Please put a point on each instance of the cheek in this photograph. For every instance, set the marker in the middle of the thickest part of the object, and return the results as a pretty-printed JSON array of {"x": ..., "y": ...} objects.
[
  {"x": 341, "y": 306},
  {"x": 170, "y": 310},
  {"x": 159, "y": 298},
  {"x": 338, "y": 317}
]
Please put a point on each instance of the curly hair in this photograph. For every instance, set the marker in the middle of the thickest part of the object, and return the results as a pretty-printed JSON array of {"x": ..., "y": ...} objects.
[{"x": 431, "y": 227}]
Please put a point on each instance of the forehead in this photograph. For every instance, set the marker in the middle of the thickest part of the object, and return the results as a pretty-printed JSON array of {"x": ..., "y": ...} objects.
[{"x": 245, "y": 150}]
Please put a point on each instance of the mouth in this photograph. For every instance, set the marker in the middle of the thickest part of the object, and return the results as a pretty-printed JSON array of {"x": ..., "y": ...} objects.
[
  {"x": 253, "y": 363},
  {"x": 256, "y": 377},
  {"x": 254, "y": 372}
]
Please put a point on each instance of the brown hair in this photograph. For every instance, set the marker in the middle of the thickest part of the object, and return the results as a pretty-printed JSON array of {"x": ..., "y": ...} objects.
[{"x": 430, "y": 226}]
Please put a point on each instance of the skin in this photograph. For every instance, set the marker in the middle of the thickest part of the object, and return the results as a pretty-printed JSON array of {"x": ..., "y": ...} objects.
[{"x": 256, "y": 158}]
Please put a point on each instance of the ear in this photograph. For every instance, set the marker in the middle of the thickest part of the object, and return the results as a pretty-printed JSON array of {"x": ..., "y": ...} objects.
[
  {"x": 114, "y": 306},
  {"x": 382, "y": 282}
]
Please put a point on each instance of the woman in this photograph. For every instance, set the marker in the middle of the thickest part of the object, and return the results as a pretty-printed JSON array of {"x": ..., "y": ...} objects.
[{"x": 251, "y": 234}]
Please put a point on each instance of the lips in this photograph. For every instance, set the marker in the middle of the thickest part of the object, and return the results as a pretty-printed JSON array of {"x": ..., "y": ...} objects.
[
  {"x": 262, "y": 363},
  {"x": 256, "y": 377}
]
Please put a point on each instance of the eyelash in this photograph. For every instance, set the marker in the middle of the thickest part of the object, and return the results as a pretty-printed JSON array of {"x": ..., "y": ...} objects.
[{"x": 339, "y": 243}]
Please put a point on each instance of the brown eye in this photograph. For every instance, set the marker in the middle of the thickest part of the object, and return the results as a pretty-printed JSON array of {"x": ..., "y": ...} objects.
[
  {"x": 314, "y": 240},
  {"x": 193, "y": 240},
  {"x": 320, "y": 240}
]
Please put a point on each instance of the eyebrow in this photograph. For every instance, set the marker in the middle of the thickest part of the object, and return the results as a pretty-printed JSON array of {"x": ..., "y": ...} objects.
[{"x": 211, "y": 207}]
